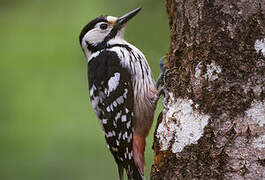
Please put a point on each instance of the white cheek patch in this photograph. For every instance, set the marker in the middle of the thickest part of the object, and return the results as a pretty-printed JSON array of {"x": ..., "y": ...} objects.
[{"x": 94, "y": 36}]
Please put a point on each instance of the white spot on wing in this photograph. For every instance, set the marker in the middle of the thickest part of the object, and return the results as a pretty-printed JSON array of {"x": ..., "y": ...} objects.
[
  {"x": 114, "y": 149},
  {"x": 118, "y": 142},
  {"x": 119, "y": 136},
  {"x": 128, "y": 124},
  {"x": 108, "y": 109},
  {"x": 115, "y": 104},
  {"x": 104, "y": 121},
  {"x": 129, "y": 138},
  {"x": 92, "y": 89},
  {"x": 120, "y": 100},
  {"x": 114, "y": 82},
  {"x": 123, "y": 118},
  {"x": 125, "y": 93},
  {"x": 111, "y": 107},
  {"x": 106, "y": 91},
  {"x": 113, "y": 132},
  {"x": 130, "y": 155},
  {"x": 110, "y": 134},
  {"x": 124, "y": 136},
  {"x": 118, "y": 116},
  {"x": 94, "y": 102}
]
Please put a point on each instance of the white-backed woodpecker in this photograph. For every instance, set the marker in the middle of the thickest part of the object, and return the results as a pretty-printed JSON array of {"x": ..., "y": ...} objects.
[{"x": 122, "y": 90}]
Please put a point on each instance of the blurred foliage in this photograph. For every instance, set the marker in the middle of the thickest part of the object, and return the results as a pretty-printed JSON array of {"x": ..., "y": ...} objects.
[{"x": 48, "y": 129}]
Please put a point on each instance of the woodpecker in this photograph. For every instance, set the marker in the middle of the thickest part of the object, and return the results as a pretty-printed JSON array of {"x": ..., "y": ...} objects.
[{"x": 122, "y": 90}]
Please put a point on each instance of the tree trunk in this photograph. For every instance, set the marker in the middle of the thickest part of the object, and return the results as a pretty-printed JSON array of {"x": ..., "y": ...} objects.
[{"x": 213, "y": 123}]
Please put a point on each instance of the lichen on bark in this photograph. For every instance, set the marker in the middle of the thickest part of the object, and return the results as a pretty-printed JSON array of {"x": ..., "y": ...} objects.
[{"x": 216, "y": 61}]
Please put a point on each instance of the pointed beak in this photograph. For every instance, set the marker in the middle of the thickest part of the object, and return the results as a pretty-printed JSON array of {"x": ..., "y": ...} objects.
[{"x": 124, "y": 19}]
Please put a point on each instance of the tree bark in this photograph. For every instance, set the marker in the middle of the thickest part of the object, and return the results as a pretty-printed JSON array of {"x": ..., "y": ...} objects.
[{"x": 213, "y": 123}]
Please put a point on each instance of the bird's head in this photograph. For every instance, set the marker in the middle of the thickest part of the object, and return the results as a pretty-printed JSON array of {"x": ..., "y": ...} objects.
[{"x": 96, "y": 34}]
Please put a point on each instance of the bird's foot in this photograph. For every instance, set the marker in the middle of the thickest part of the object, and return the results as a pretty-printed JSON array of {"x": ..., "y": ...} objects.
[
  {"x": 164, "y": 93},
  {"x": 161, "y": 82},
  {"x": 163, "y": 67}
]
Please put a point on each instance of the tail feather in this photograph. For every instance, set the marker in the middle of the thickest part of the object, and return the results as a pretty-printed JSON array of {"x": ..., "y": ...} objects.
[
  {"x": 121, "y": 172},
  {"x": 137, "y": 174},
  {"x": 134, "y": 173}
]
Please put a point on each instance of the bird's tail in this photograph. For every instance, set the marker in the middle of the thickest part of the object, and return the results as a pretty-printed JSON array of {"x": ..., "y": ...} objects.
[
  {"x": 134, "y": 173},
  {"x": 121, "y": 171},
  {"x": 135, "y": 166}
]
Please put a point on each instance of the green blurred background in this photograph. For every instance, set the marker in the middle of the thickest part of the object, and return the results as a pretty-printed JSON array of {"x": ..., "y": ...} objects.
[{"x": 48, "y": 130}]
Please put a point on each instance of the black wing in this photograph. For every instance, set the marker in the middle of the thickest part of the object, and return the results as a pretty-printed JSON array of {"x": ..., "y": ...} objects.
[{"x": 111, "y": 95}]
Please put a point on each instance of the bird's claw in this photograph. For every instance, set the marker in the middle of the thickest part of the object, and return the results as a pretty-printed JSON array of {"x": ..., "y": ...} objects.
[
  {"x": 163, "y": 67},
  {"x": 160, "y": 82}
]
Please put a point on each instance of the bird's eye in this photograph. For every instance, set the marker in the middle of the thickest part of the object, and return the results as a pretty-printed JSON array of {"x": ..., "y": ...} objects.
[{"x": 103, "y": 26}]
